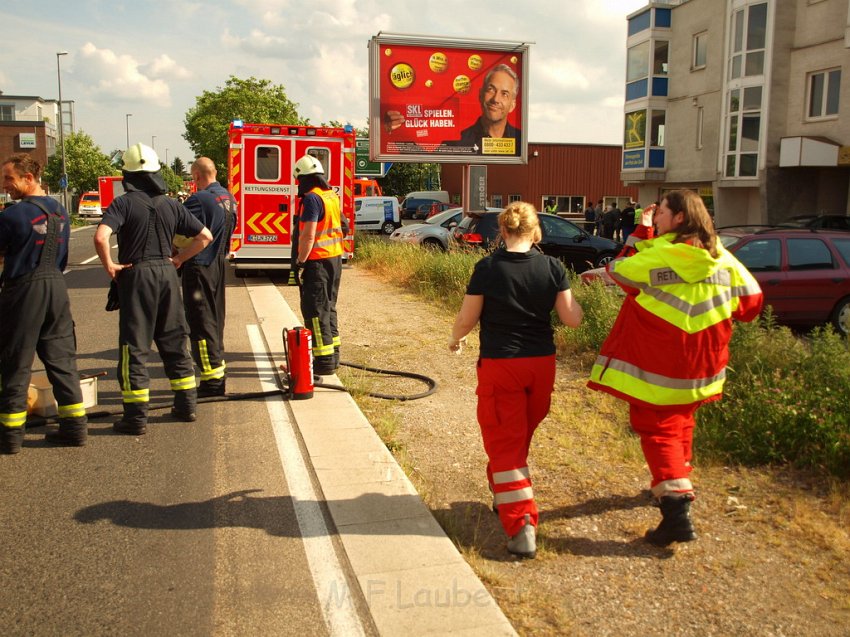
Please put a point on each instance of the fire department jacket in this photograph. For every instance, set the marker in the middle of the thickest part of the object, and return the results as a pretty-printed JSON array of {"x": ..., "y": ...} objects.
[{"x": 669, "y": 344}]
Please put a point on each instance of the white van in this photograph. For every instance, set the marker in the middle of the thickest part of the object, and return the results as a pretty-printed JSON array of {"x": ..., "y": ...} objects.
[
  {"x": 376, "y": 214},
  {"x": 436, "y": 195}
]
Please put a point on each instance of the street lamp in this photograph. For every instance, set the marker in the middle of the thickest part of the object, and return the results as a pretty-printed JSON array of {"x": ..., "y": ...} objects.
[
  {"x": 127, "y": 117},
  {"x": 153, "y": 142},
  {"x": 63, "y": 180}
]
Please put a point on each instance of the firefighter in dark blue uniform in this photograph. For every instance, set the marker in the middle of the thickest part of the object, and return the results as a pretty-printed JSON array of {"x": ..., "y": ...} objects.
[
  {"x": 203, "y": 277},
  {"x": 148, "y": 287},
  {"x": 35, "y": 313}
]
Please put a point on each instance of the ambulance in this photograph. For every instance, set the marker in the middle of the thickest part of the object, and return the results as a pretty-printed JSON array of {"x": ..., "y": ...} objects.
[{"x": 260, "y": 161}]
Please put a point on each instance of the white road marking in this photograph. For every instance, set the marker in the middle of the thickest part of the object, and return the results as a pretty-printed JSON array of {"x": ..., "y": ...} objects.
[
  {"x": 94, "y": 258},
  {"x": 340, "y": 615}
]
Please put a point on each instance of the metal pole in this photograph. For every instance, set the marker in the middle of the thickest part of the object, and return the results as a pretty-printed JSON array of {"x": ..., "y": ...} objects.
[
  {"x": 166, "y": 157},
  {"x": 153, "y": 142},
  {"x": 63, "y": 180},
  {"x": 127, "y": 118}
]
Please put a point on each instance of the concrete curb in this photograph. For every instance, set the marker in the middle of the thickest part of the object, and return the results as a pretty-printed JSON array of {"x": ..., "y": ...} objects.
[{"x": 412, "y": 577}]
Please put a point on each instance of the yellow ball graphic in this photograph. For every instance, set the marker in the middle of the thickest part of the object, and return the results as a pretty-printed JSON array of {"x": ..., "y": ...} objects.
[
  {"x": 513, "y": 59},
  {"x": 474, "y": 62},
  {"x": 388, "y": 52},
  {"x": 428, "y": 83},
  {"x": 461, "y": 84},
  {"x": 402, "y": 75},
  {"x": 438, "y": 62}
]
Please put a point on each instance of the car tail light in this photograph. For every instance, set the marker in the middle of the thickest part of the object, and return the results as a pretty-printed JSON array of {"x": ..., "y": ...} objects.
[{"x": 472, "y": 237}]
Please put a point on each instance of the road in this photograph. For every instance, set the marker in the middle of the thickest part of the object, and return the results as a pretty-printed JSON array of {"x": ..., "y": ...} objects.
[{"x": 187, "y": 530}]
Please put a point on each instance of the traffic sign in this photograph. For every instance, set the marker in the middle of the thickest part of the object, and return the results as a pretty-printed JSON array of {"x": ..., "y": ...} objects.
[
  {"x": 63, "y": 182},
  {"x": 363, "y": 166}
]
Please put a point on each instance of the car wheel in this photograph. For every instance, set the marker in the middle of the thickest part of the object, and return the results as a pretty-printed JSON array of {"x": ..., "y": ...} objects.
[
  {"x": 604, "y": 259},
  {"x": 841, "y": 316},
  {"x": 388, "y": 228},
  {"x": 433, "y": 244}
]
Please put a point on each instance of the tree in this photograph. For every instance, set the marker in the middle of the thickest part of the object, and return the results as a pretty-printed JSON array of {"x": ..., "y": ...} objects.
[
  {"x": 172, "y": 181},
  {"x": 405, "y": 178},
  {"x": 251, "y": 100},
  {"x": 178, "y": 167},
  {"x": 84, "y": 164}
]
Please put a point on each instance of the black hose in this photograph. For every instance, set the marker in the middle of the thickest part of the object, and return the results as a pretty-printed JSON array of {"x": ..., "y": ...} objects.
[{"x": 106, "y": 413}]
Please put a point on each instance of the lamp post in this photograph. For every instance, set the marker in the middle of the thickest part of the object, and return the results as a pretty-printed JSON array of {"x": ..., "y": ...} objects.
[
  {"x": 127, "y": 118},
  {"x": 153, "y": 142},
  {"x": 63, "y": 180}
]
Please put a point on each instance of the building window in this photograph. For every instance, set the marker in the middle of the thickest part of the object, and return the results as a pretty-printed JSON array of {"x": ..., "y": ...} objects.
[
  {"x": 824, "y": 88},
  {"x": 660, "y": 59},
  {"x": 744, "y": 129},
  {"x": 656, "y": 128},
  {"x": 700, "y": 50},
  {"x": 7, "y": 112},
  {"x": 513, "y": 198},
  {"x": 497, "y": 200},
  {"x": 748, "y": 41},
  {"x": 700, "y": 120},
  {"x": 637, "y": 66}
]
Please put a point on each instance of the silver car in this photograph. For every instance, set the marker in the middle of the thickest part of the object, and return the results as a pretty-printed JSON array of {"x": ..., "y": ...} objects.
[{"x": 435, "y": 231}]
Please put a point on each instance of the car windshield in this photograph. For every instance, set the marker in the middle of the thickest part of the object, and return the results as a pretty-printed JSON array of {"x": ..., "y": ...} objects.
[
  {"x": 440, "y": 217},
  {"x": 91, "y": 197}
]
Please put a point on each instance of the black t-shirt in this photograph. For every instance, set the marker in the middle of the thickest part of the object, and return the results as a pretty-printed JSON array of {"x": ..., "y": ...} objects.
[
  {"x": 23, "y": 227},
  {"x": 214, "y": 207},
  {"x": 128, "y": 216},
  {"x": 519, "y": 290}
]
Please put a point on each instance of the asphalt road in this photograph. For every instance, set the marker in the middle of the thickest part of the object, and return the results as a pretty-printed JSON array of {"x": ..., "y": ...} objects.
[{"x": 187, "y": 530}]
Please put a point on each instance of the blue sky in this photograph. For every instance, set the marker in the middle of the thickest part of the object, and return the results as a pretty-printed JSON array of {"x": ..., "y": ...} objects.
[{"x": 153, "y": 58}]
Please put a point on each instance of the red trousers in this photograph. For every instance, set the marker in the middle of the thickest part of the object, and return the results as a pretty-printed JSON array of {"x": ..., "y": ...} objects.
[
  {"x": 514, "y": 395},
  {"x": 666, "y": 437}
]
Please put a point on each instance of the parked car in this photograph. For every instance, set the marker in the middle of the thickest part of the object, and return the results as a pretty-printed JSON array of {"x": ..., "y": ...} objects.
[
  {"x": 804, "y": 274},
  {"x": 561, "y": 238},
  {"x": 434, "y": 232},
  {"x": 430, "y": 209},
  {"x": 826, "y": 222},
  {"x": 410, "y": 206},
  {"x": 89, "y": 205}
]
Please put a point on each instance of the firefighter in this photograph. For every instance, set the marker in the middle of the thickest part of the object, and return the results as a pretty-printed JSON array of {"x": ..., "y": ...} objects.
[
  {"x": 666, "y": 354},
  {"x": 35, "y": 312},
  {"x": 203, "y": 277},
  {"x": 321, "y": 229},
  {"x": 512, "y": 294},
  {"x": 148, "y": 287}
]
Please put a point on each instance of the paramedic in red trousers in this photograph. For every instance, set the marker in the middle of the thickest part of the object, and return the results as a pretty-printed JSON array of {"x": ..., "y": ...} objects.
[
  {"x": 151, "y": 309},
  {"x": 512, "y": 294},
  {"x": 203, "y": 277},
  {"x": 667, "y": 352},
  {"x": 35, "y": 313},
  {"x": 319, "y": 258}
]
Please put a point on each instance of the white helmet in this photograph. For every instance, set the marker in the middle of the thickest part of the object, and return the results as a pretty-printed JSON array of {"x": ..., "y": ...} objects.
[
  {"x": 141, "y": 159},
  {"x": 307, "y": 165}
]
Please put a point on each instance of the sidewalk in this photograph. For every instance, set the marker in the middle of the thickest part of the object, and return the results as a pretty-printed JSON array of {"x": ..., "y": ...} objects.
[{"x": 412, "y": 578}]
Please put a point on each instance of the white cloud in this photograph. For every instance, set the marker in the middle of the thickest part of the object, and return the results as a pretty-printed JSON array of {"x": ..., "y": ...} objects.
[
  {"x": 112, "y": 76},
  {"x": 164, "y": 67}
]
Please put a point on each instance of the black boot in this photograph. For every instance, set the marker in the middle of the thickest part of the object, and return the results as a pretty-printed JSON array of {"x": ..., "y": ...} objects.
[
  {"x": 11, "y": 439},
  {"x": 208, "y": 388},
  {"x": 676, "y": 524},
  {"x": 185, "y": 405},
  {"x": 72, "y": 432},
  {"x": 134, "y": 421}
]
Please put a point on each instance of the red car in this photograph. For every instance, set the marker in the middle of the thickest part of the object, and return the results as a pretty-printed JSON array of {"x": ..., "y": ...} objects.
[{"x": 804, "y": 274}]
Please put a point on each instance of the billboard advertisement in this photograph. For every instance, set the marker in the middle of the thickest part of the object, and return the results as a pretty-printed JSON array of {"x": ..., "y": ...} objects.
[{"x": 446, "y": 100}]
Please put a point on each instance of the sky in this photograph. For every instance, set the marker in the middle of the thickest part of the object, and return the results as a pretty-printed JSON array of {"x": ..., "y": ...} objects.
[{"x": 154, "y": 58}]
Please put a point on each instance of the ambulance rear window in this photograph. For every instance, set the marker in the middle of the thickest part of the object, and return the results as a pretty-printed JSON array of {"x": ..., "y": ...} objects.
[
  {"x": 267, "y": 163},
  {"x": 324, "y": 157}
]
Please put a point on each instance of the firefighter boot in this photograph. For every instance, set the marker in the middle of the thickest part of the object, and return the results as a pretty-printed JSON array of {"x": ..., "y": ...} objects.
[
  {"x": 336, "y": 359},
  {"x": 209, "y": 388},
  {"x": 72, "y": 432},
  {"x": 676, "y": 524},
  {"x": 524, "y": 543},
  {"x": 134, "y": 421},
  {"x": 11, "y": 439},
  {"x": 185, "y": 405},
  {"x": 323, "y": 365}
]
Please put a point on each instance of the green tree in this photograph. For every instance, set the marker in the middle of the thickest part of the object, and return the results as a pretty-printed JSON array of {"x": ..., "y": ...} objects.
[
  {"x": 251, "y": 100},
  {"x": 405, "y": 178},
  {"x": 178, "y": 167},
  {"x": 84, "y": 163},
  {"x": 172, "y": 181}
]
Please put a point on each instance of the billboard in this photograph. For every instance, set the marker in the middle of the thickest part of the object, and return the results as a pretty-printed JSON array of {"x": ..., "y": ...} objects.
[{"x": 437, "y": 99}]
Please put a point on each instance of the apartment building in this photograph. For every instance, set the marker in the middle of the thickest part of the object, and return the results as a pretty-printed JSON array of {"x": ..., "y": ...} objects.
[
  {"x": 743, "y": 101},
  {"x": 30, "y": 124}
]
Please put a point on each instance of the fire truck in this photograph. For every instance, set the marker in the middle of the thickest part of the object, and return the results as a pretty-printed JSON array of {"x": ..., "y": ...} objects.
[
  {"x": 260, "y": 162},
  {"x": 109, "y": 187}
]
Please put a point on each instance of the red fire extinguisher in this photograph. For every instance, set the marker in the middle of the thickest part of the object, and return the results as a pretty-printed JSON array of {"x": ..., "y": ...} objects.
[{"x": 298, "y": 348}]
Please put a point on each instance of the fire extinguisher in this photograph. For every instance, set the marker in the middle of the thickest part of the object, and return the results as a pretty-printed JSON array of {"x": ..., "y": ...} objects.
[{"x": 298, "y": 349}]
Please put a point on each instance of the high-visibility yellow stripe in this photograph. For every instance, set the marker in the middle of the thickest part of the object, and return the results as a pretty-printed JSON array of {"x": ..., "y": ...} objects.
[
  {"x": 319, "y": 346},
  {"x": 135, "y": 396},
  {"x": 71, "y": 411},
  {"x": 180, "y": 384},
  {"x": 336, "y": 341},
  {"x": 13, "y": 420},
  {"x": 213, "y": 374},
  {"x": 125, "y": 367}
]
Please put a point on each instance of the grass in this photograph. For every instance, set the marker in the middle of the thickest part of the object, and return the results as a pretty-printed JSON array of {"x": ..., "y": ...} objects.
[{"x": 787, "y": 399}]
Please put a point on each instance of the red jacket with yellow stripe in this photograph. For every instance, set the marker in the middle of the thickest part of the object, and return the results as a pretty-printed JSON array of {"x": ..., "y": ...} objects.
[{"x": 670, "y": 343}]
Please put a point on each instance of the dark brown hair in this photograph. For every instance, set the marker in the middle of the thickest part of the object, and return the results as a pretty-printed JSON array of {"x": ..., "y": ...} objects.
[
  {"x": 24, "y": 163},
  {"x": 697, "y": 227}
]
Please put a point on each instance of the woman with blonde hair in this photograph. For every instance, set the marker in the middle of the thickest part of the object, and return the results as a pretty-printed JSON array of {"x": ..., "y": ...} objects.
[
  {"x": 512, "y": 293},
  {"x": 667, "y": 351}
]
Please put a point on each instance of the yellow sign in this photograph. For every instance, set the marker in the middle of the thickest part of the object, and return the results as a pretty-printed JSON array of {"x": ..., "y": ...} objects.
[
  {"x": 635, "y": 129},
  {"x": 498, "y": 146}
]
